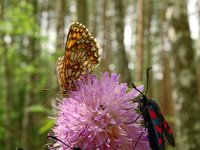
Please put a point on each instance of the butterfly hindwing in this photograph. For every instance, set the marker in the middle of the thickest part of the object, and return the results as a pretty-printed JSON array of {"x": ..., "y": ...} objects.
[{"x": 60, "y": 70}]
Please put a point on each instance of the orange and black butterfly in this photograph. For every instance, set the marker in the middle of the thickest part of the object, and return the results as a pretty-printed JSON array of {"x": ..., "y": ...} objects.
[{"x": 80, "y": 58}]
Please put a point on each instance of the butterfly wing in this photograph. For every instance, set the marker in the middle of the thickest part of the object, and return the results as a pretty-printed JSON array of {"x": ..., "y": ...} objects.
[
  {"x": 60, "y": 70},
  {"x": 83, "y": 59},
  {"x": 81, "y": 56},
  {"x": 76, "y": 31}
]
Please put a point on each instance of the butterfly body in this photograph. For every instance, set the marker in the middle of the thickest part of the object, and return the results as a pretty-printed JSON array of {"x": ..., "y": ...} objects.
[
  {"x": 81, "y": 57},
  {"x": 156, "y": 124}
]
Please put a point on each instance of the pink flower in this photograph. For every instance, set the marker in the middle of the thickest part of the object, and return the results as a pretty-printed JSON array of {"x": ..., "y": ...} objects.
[{"x": 96, "y": 115}]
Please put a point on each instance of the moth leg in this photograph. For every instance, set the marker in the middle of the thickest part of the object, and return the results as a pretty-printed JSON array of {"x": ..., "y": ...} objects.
[
  {"x": 135, "y": 119},
  {"x": 138, "y": 139},
  {"x": 146, "y": 108}
]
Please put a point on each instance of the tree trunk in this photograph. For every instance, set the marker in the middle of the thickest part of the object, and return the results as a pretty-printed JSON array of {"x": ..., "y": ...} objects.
[
  {"x": 31, "y": 96},
  {"x": 187, "y": 106},
  {"x": 139, "y": 48},
  {"x": 95, "y": 15},
  {"x": 148, "y": 41},
  {"x": 198, "y": 47},
  {"x": 61, "y": 12},
  {"x": 8, "y": 96},
  {"x": 166, "y": 102},
  {"x": 82, "y": 11},
  {"x": 119, "y": 26},
  {"x": 7, "y": 83},
  {"x": 106, "y": 57}
]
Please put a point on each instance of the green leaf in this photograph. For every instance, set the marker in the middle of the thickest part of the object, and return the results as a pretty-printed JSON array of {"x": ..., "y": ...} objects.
[
  {"x": 37, "y": 109},
  {"x": 48, "y": 124}
]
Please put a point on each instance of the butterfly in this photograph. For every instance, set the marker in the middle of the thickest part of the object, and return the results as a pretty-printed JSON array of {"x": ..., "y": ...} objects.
[
  {"x": 154, "y": 121},
  {"x": 80, "y": 58}
]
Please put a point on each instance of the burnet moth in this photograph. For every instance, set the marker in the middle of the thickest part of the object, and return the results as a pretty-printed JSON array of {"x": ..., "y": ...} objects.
[{"x": 154, "y": 121}]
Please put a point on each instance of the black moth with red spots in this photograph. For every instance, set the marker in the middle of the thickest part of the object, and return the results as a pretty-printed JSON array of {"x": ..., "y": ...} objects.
[{"x": 155, "y": 123}]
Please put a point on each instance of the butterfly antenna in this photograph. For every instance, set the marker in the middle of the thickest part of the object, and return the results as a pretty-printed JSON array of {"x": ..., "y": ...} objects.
[
  {"x": 147, "y": 75},
  {"x": 55, "y": 138},
  {"x": 47, "y": 90}
]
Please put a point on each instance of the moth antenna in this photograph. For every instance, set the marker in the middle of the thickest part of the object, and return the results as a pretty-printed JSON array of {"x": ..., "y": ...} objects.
[
  {"x": 55, "y": 138},
  {"x": 46, "y": 89},
  {"x": 133, "y": 85},
  {"x": 147, "y": 75}
]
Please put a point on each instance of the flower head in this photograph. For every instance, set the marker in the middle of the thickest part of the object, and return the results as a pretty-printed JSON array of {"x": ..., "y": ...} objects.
[{"x": 96, "y": 116}]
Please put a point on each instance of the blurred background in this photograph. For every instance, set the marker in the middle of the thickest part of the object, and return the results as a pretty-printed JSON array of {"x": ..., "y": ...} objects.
[{"x": 133, "y": 35}]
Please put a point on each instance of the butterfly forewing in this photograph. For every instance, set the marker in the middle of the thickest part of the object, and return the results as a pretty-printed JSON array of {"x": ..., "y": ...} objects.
[
  {"x": 76, "y": 31},
  {"x": 81, "y": 56}
]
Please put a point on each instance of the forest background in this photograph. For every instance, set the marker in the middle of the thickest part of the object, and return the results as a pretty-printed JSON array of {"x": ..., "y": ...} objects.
[{"x": 133, "y": 35}]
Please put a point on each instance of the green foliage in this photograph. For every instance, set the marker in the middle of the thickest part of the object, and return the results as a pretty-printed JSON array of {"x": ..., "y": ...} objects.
[
  {"x": 48, "y": 124},
  {"x": 36, "y": 109},
  {"x": 26, "y": 71},
  {"x": 19, "y": 20}
]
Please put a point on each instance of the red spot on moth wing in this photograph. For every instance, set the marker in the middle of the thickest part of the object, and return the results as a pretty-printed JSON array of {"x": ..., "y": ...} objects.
[
  {"x": 158, "y": 129},
  {"x": 170, "y": 131},
  {"x": 152, "y": 114},
  {"x": 160, "y": 141},
  {"x": 166, "y": 126}
]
